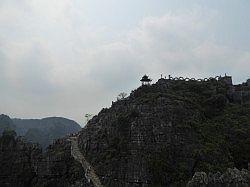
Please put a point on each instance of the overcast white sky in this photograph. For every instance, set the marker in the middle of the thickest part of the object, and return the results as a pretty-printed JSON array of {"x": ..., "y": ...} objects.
[{"x": 71, "y": 57}]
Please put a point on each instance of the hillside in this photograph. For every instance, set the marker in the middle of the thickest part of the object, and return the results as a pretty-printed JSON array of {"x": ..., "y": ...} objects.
[
  {"x": 24, "y": 164},
  {"x": 44, "y": 131},
  {"x": 164, "y": 134}
]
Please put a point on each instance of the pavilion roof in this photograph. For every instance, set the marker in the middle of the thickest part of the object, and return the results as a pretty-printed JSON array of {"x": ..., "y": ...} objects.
[{"x": 145, "y": 78}]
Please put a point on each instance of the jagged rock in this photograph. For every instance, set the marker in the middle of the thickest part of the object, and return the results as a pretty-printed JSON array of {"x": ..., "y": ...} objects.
[
  {"x": 235, "y": 176},
  {"x": 216, "y": 178},
  {"x": 231, "y": 178},
  {"x": 159, "y": 136},
  {"x": 200, "y": 179}
]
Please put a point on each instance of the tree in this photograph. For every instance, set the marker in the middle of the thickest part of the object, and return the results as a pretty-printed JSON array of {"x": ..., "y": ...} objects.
[
  {"x": 121, "y": 96},
  {"x": 88, "y": 117}
]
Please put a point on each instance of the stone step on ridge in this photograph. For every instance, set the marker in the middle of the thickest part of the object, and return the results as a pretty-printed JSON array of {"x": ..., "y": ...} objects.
[{"x": 78, "y": 156}]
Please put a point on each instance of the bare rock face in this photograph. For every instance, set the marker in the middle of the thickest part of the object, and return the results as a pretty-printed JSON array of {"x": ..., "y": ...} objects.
[
  {"x": 135, "y": 144},
  {"x": 145, "y": 139},
  {"x": 236, "y": 177},
  {"x": 231, "y": 178},
  {"x": 199, "y": 179},
  {"x": 162, "y": 134}
]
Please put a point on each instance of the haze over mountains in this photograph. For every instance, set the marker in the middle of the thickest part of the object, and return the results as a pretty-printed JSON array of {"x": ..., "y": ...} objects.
[
  {"x": 42, "y": 131},
  {"x": 153, "y": 79},
  {"x": 66, "y": 55}
]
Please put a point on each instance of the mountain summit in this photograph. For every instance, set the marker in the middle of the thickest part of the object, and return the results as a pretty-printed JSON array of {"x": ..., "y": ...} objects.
[{"x": 165, "y": 134}]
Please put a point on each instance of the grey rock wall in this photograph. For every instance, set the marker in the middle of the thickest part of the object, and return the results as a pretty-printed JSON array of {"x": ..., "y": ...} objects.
[{"x": 230, "y": 178}]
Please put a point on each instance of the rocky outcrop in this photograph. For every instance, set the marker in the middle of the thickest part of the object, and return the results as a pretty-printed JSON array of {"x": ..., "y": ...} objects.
[
  {"x": 141, "y": 143},
  {"x": 199, "y": 179},
  {"x": 230, "y": 178},
  {"x": 161, "y": 135}
]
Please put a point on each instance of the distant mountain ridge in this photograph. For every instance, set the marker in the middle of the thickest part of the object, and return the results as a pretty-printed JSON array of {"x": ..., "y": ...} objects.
[
  {"x": 42, "y": 131},
  {"x": 176, "y": 132},
  {"x": 23, "y": 125}
]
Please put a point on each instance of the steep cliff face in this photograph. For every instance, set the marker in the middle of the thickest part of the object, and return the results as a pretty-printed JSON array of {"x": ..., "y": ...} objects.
[
  {"x": 162, "y": 134},
  {"x": 129, "y": 142},
  {"x": 165, "y": 134},
  {"x": 58, "y": 168},
  {"x": 24, "y": 164},
  {"x": 18, "y": 160}
]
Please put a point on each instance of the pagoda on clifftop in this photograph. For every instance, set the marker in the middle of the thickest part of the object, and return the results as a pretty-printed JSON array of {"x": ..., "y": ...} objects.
[{"x": 145, "y": 80}]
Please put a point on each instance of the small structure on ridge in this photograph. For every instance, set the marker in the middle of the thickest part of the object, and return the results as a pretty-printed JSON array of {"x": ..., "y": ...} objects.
[{"x": 145, "y": 80}]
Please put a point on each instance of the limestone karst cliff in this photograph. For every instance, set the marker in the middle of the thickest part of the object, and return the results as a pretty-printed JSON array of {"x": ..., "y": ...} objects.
[
  {"x": 165, "y": 134},
  {"x": 162, "y": 134}
]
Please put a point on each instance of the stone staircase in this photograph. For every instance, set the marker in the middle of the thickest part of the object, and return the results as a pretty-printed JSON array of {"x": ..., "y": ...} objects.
[{"x": 78, "y": 156}]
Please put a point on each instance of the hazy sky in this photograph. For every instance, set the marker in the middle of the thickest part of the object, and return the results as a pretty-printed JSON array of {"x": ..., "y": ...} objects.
[{"x": 71, "y": 57}]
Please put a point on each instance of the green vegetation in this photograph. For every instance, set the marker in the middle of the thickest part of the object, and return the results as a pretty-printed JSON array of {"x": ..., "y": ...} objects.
[
  {"x": 223, "y": 131},
  {"x": 174, "y": 130}
]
